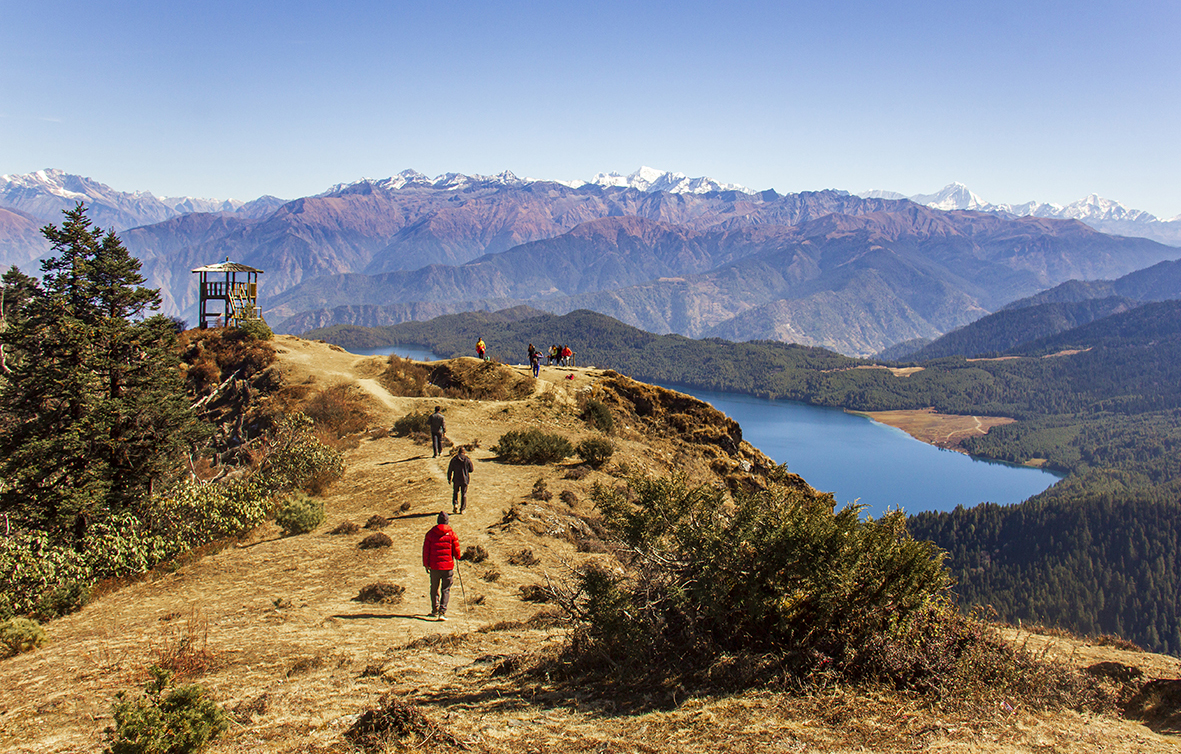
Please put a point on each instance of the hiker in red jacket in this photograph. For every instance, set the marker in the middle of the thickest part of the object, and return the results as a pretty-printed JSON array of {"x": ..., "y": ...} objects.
[{"x": 440, "y": 550}]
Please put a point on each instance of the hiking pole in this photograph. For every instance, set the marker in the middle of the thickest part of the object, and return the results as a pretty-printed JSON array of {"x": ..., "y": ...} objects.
[{"x": 459, "y": 573}]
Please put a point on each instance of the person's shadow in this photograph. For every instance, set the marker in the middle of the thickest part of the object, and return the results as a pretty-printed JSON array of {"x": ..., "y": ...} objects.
[
  {"x": 404, "y": 460},
  {"x": 383, "y": 616}
]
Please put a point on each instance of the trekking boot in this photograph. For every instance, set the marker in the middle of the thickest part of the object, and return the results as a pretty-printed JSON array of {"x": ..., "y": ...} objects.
[{"x": 442, "y": 616}]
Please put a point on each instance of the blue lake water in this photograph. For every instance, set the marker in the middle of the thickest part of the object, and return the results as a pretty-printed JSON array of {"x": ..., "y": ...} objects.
[{"x": 856, "y": 458}]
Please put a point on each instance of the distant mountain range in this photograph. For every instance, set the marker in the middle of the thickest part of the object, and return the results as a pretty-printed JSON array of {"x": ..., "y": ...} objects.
[
  {"x": 1051, "y": 312},
  {"x": 1101, "y": 214},
  {"x": 654, "y": 249}
]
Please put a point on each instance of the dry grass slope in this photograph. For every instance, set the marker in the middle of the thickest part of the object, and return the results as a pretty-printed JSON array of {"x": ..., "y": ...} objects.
[{"x": 272, "y": 628}]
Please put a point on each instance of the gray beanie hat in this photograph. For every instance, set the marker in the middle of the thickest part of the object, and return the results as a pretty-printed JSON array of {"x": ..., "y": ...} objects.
[{"x": 443, "y": 517}]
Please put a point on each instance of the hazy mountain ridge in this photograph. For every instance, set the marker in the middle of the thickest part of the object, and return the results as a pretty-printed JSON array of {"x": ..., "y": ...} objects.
[
  {"x": 852, "y": 283},
  {"x": 1102, "y": 214}
]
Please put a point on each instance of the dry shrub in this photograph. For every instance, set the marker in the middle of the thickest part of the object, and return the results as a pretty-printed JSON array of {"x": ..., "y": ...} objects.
[
  {"x": 437, "y": 641},
  {"x": 578, "y": 472},
  {"x": 378, "y": 539},
  {"x": 537, "y": 593},
  {"x": 397, "y": 721},
  {"x": 245, "y": 711},
  {"x": 406, "y": 378},
  {"x": 523, "y": 558},
  {"x": 481, "y": 380},
  {"x": 569, "y": 498},
  {"x": 1119, "y": 642},
  {"x": 348, "y": 527},
  {"x": 339, "y": 409},
  {"x": 183, "y": 650},
  {"x": 413, "y": 423},
  {"x": 475, "y": 554},
  {"x": 377, "y": 522},
  {"x": 492, "y": 574},
  {"x": 540, "y": 492},
  {"x": 381, "y": 593}
]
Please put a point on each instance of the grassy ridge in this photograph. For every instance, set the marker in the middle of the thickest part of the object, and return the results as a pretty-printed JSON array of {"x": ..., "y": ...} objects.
[{"x": 1109, "y": 415}]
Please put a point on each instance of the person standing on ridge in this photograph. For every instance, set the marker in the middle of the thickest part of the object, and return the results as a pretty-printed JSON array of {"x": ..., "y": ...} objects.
[
  {"x": 535, "y": 363},
  {"x": 440, "y": 551},
  {"x": 481, "y": 348},
  {"x": 459, "y": 473},
  {"x": 438, "y": 428}
]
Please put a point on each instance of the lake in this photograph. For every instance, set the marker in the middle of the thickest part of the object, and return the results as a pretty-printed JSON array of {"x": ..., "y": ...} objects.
[{"x": 854, "y": 457}]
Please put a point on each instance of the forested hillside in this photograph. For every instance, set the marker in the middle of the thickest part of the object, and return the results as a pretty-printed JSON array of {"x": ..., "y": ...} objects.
[{"x": 1101, "y": 402}]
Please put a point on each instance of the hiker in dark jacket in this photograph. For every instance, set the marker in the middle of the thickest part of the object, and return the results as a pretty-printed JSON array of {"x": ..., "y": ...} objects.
[
  {"x": 440, "y": 550},
  {"x": 438, "y": 429},
  {"x": 459, "y": 473}
]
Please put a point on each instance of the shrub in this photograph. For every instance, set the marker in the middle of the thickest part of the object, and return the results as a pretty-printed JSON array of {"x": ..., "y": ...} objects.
[
  {"x": 540, "y": 492},
  {"x": 405, "y": 377},
  {"x": 577, "y": 472},
  {"x": 377, "y": 521},
  {"x": 782, "y": 573},
  {"x": 19, "y": 635},
  {"x": 165, "y": 719},
  {"x": 297, "y": 460},
  {"x": 475, "y": 554},
  {"x": 412, "y": 423},
  {"x": 596, "y": 414},
  {"x": 256, "y": 329},
  {"x": 300, "y": 515},
  {"x": 348, "y": 527},
  {"x": 596, "y": 451},
  {"x": 568, "y": 497},
  {"x": 378, "y": 539},
  {"x": 339, "y": 410},
  {"x": 532, "y": 446},
  {"x": 381, "y": 593},
  {"x": 776, "y": 584}
]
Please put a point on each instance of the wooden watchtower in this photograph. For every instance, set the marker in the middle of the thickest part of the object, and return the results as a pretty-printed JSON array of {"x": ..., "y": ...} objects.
[{"x": 231, "y": 288}]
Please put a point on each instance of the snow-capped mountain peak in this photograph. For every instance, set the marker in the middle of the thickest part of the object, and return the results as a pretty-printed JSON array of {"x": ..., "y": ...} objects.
[{"x": 650, "y": 179}]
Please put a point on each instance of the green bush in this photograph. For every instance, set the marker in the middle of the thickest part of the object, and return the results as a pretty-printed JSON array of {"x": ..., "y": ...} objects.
[
  {"x": 596, "y": 414},
  {"x": 300, "y": 515},
  {"x": 596, "y": 451},
  {"x": 256, "y": 329},
  {"x": 19, "y": 635},
  {"x": 532, "y": 446},
  {"x": 776, "y": 586},
  {"x": 165, "y": 719},
  {"x": 412, "y": 423},
  {"x": 778, "y": 572},
  {"x": 297, "y": 460}
]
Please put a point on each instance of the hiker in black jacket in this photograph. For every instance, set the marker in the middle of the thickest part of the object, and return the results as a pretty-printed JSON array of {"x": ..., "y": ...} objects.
[
  {"x": 438, "y": 429},
  {"x": 459, "y": 473}
]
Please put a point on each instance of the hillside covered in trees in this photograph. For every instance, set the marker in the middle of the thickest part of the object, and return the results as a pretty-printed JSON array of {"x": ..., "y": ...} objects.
[{"x": 1101, "y": 402}]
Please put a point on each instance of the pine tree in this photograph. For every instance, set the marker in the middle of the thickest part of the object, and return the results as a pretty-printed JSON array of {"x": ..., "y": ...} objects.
[{"x": 92, "y": 410}]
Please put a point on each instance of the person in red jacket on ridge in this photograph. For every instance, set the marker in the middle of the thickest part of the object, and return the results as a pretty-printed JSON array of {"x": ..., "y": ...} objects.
[{"x": 440, "y": 550}]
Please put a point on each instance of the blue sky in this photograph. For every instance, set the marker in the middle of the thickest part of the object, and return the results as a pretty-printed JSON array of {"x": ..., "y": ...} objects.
[{"x": 1031, "y": 100}]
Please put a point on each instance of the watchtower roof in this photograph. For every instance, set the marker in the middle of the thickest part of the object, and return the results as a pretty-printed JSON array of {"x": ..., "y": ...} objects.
[{"x": 227, "y": 266}]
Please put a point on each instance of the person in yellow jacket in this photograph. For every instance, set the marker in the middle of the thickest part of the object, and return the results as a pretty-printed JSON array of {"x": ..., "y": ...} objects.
[{"x": 481, "y": 349}]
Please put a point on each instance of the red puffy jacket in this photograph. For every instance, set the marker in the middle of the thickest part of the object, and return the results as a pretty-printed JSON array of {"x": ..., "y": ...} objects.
[{"x": 440, "y": 549}]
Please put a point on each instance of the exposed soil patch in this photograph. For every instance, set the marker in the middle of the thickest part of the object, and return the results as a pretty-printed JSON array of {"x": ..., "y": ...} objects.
[{"x": 943, "y": 430}]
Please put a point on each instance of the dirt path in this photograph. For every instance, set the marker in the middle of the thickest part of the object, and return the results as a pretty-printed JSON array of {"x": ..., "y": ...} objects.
[{"x": 276, "y": 613}]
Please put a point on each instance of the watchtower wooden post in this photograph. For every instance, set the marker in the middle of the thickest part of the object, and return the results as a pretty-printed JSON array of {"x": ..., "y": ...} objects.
[{"x": 230, "y": 287}]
